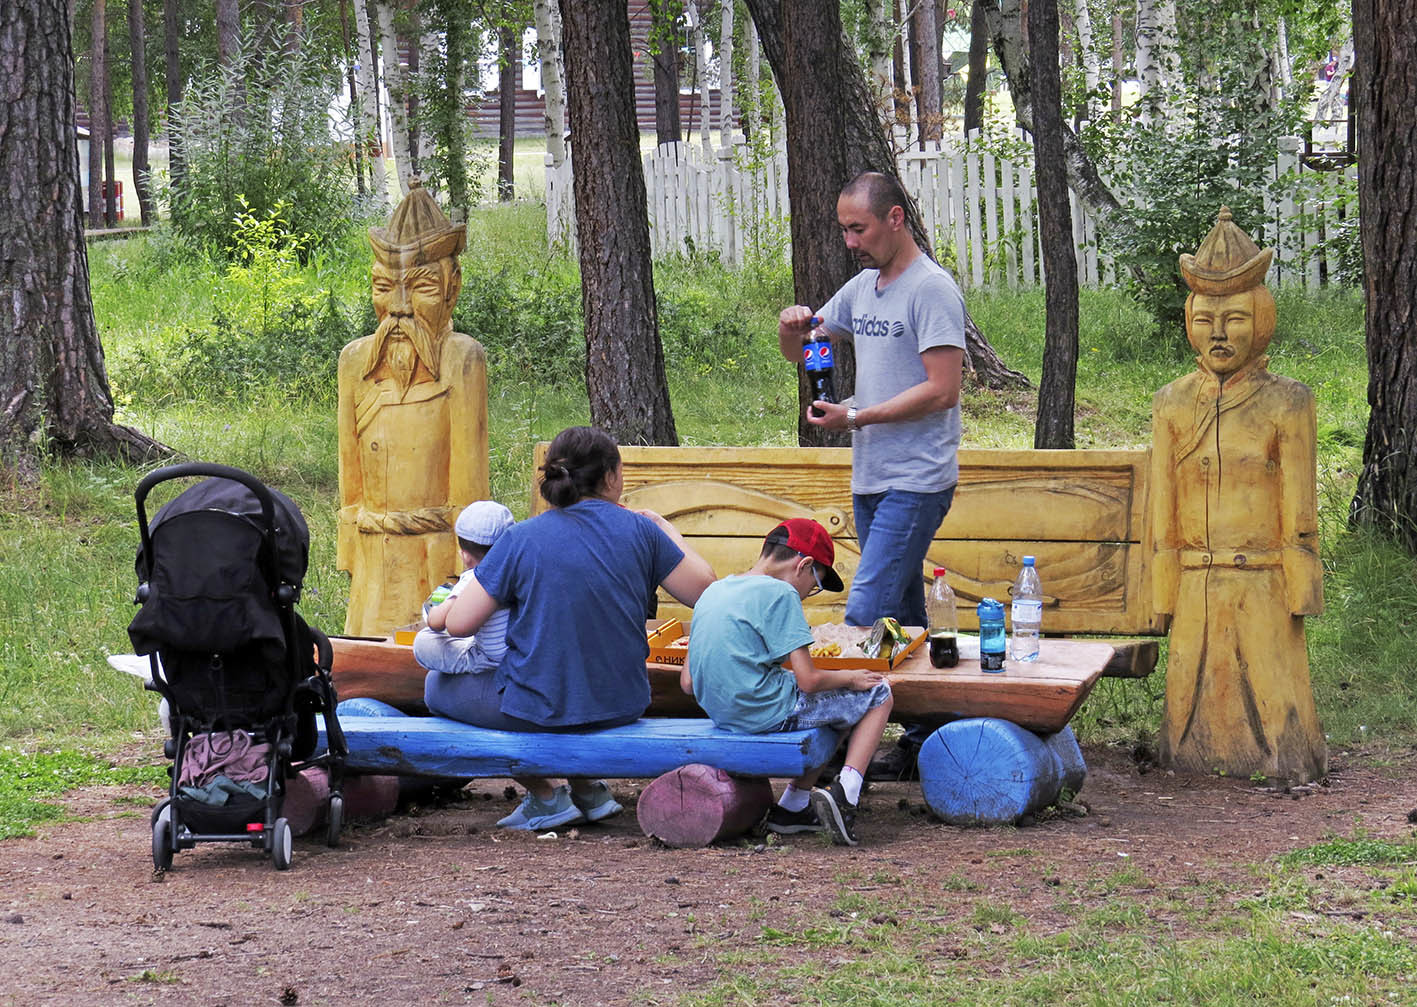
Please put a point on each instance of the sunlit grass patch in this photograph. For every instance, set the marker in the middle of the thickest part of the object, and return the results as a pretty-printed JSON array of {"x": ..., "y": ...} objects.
[{"x": 29, "y": 782}]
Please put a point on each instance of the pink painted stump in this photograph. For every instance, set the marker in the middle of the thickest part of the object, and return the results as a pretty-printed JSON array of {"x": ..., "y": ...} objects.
[{"x": 695, "y": 805}]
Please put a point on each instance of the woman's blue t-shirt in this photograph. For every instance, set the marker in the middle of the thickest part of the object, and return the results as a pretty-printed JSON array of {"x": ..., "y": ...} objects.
[{"x": 578, "y": 581}]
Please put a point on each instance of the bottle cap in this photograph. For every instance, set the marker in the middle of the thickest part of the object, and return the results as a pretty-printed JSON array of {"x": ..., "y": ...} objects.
[
  {"x": 1028, "y": 561},
  {"x": 939, "y": 572}
]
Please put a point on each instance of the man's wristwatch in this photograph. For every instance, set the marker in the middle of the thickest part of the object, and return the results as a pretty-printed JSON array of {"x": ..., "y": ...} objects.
[{"x": 851, "y": 419}]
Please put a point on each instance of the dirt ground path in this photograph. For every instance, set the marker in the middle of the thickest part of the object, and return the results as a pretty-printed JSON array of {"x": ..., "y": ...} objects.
[{"x": 438, "y": 906}]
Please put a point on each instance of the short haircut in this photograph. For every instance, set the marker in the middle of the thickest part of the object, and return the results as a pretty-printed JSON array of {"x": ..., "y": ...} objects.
[
  {"x": 474, "y": 549},
  {"x": 881, "y": 192}
]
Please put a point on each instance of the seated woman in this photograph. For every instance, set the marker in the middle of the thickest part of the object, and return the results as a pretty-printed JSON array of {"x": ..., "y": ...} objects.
[{"x": 577, "y": 581}]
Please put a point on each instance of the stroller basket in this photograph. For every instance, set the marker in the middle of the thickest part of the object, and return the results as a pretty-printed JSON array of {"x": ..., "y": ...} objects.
[{"x": 220, "y": 568}]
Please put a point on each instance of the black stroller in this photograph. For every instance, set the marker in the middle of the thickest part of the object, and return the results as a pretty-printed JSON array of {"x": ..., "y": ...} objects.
[{"x": 219, "y": 572}]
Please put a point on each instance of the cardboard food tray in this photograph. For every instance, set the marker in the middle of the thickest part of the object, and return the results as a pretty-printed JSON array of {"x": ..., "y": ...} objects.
[{"x": 661, "y": 653}]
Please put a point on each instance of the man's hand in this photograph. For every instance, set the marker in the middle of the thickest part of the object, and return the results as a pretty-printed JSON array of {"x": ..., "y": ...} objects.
[
  {"x": 794, "y": 325},
  {"x": 833, "y": 415}
]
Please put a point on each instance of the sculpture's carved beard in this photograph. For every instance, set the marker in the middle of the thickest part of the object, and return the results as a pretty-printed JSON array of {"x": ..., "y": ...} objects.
[{"x": 401, "y": 343}]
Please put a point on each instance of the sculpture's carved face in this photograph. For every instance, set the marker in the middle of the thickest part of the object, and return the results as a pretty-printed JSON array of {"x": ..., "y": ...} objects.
[
  {"x": 1227, "y": 331},
  {"x": 414, "y": 307}
]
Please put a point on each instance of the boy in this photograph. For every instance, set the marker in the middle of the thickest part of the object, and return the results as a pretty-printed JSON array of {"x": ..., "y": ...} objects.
[
  {"x": 460, "y": 667},
  {"x": 750, "y": 669}
]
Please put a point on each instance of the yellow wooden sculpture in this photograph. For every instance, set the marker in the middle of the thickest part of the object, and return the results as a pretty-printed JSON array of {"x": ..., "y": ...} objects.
[
  {"x": 412, "y": 423},
  {"x": 1235, "y": 531}
]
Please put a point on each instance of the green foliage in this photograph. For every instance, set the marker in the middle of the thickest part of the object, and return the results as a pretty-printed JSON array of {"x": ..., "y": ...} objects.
[
  {"x": 1359, "y": 849},
  {"x": 28, "y": 780},
  {"x": 255, "y": 135}
]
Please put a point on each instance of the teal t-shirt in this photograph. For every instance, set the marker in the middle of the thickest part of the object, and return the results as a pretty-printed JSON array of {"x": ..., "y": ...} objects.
[{"x": 743, "y": 627}]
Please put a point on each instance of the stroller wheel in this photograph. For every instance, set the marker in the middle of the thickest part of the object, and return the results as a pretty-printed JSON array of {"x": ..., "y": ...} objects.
[
  {"x": 162, "y": 837},
  {"x": 280, "y": 844},
  {"x": 335, "y": 820}
]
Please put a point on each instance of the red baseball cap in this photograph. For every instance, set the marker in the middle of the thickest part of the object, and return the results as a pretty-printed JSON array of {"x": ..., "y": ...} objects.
[{"x": 803, "y": 535}]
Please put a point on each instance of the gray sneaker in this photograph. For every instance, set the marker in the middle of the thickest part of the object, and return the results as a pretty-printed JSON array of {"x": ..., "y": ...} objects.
[
  {"x": 534, "y": 814},
  {"x": 599, "y": 804},
  {"x": 836, "y": 813}
]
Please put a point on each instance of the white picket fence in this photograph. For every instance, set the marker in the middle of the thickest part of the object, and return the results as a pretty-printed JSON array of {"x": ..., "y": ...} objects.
[{"x": 979, "y": 209}]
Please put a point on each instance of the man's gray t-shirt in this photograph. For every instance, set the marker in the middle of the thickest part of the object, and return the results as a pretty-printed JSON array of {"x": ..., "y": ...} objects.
[{"x": 920, "y": 309}]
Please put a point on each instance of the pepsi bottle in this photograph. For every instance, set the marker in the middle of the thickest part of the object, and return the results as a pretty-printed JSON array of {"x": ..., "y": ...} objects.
[{"x": 817, "y": 358}]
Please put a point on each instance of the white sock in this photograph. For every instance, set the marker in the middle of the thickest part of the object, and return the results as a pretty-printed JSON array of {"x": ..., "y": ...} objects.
[
  {"x": 850, "y": 784},
  {"x": 793, "y": 799}
]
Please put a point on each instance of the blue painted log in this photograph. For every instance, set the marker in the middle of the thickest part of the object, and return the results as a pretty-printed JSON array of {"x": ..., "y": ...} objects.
[
  {"x": 437, "y": 747},
  {"x": 985, "y": 771}
]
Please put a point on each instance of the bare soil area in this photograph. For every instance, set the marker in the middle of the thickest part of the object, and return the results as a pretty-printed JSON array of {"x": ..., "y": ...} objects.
[{"x": 436, "y": 905}]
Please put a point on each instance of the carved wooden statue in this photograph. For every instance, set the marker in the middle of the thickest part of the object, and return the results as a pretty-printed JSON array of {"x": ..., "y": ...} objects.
[
  {"x": 412, "y": 423},
  {"x": 1235, "y": 530}
]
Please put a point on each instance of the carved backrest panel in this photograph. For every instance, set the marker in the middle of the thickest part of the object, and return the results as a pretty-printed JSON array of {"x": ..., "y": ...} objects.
[{"x": 1081, "y": 513}]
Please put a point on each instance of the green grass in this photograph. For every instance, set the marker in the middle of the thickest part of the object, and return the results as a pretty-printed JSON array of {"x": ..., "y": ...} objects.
[{"x": 28, "y": 780}]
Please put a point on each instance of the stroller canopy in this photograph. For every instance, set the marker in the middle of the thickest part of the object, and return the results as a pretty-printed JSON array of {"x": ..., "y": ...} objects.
[{"x": 208, "y": 585}]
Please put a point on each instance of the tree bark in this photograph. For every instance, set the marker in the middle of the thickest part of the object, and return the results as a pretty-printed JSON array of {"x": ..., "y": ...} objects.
[
  {"x": 1054, "y": 425},
  {"x": 664, "y": 42},
  {"x": 369, "y": 118},
  {"x": 53, "y": 385},
  {"x": 398, "y": 105},
  {"x": 1091, "y": 62},
  {"x": 625, "y": 377},
  {"x": 700, "y": 43},
  {"x": 172, "y": 72},
  {"x": 349, "y": 63},
  {"x": 138, "y": 44},
  {"x": 509, "y": 63},
  {"x": 848, "y": 138},
  {"x": 97, "y": 71},
  {"x": 228, "y": 31},
  {"x": 925, "y": 38},
  {"x": 974, "y": 87},
  {"x": 1157, "y": 63},
  {"x": 726, "y": 124},
  {"x": 548, "y": 44},
  {"x": 1385, "y": 92},
  {"x": 451, "y": 119}
]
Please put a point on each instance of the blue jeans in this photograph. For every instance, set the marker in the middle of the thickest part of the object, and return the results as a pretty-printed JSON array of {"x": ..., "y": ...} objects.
[{"x": 894, "y": 529}]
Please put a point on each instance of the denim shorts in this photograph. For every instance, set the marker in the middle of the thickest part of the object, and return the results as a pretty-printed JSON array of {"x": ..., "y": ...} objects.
[{"x": 839, "y": 709}]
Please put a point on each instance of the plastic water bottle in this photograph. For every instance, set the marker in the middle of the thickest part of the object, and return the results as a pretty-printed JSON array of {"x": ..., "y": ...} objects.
[
  {"x": 991, "y": 635},
  {"x": 944, "y": 623},
  {"x": 1027, "y": 612},
  {"x": 817, "y": 358}
]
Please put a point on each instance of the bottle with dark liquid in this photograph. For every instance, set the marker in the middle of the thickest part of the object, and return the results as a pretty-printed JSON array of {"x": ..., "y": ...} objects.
[
  {"x": 817, "y": 358},
  {"x": 944, "y": 623}
]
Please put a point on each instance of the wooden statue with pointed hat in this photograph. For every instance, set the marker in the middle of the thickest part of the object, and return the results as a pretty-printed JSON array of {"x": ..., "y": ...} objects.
[
  {"x": 1236, "y": 532},
  {"x": 412, "y": 422}
]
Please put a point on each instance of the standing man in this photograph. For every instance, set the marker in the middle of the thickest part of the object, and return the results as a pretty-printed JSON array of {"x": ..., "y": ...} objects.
[{"x": 905, "y": 317}]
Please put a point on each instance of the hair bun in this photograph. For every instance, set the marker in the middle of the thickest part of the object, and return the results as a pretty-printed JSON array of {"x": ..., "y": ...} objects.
[{"x": 555, "y": 470}]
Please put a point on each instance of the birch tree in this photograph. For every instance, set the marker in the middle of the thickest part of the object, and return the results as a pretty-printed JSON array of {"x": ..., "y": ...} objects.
[
  {"x": 371, "y": 131},
  {"x": 1089, "y": 57},
  {"x": 726, "y": 125},
  {"x": 699, "y": 40},
  {"x": 398, "y": 98},
  {"x": 1157, "y": 62},
  {"x": 548, "y": 47}
]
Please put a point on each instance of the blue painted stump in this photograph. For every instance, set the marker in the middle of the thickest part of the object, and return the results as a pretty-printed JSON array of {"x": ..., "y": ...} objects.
[
  {"x": 383, "y": 740},
  {"x": 984, "y": 771}
]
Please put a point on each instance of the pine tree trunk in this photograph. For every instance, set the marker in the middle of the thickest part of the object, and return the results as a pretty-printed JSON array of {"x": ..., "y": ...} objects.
[
  {"x": 625, "y": 377},
  {"x": 1054, "y": 425},
  {"x": 138, "y": 45},
  {"x": 398, "y": 105},
  {"x": 509, "y": 43},
  {"x": 664, "y": 35},
  {"x": 98, "y": 70},
  {"x": 978, "y": 70},
  {"x": 228, "y": 31},
  {"x": 452, "y": 124},
  {"x": 926, "y": 64},
  {"x": 548, "y": 43},
  {"x": 53, "y": 384},
  {"x": 1385, "y": 93}
]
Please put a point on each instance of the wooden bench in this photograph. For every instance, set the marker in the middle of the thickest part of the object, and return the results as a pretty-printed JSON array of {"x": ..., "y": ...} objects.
[{"x": 1084, "y": 514}]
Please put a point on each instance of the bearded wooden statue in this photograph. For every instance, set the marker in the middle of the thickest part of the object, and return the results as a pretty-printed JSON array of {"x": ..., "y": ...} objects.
[
  {"x": 412, "y": 423},
  {"x": 1235, "y": 523}
]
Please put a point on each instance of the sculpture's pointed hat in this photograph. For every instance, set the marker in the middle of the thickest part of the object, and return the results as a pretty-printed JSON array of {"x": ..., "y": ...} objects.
[
  {"x": 1227, "y": 262},
  {"x": 418, "y": 232}
]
